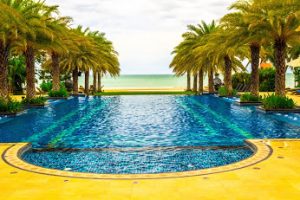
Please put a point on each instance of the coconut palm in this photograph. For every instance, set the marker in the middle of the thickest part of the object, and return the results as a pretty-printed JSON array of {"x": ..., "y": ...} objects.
[
  {"x": 185, "y": 59},
  {"x": 36, "y": 15},
  {"x": 80, "y": 58},
  {"x": 94, "y": 52},
  {"x": 224, "y": 53},
  {"x": 107, "y": 58},
  {"x": 238, "y": 24},
  {"x": 59, "y": 46},
  {"x": 12, "y": 24},
  {"x": 278, "y": 21}
]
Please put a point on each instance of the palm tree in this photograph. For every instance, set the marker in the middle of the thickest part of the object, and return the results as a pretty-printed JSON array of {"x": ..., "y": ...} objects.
[
  {"x": 185, "y": 59},
  {"x": 278, "y": 21},
  {"x": 195, "y": 82},
  {"x": 59, "y": 46},
  {"x": 81, "y": 57},
  {"x": 99, "y": 87},
  {"x": 107, "y": 60},
  {"x": 12, "y": 24},
  {"x": 207, "y": 65},
  {"x": 224, "y": 53},
  {"x": 188, "y": 79},
  {"x": 35, "y": 16},
  {"x": 238, "y": 24},
  {"x": 94, "y": 52},
  {"x": 95, "y": 76}
]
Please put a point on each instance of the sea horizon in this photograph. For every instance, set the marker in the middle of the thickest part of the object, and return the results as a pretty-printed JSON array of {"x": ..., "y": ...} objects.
[{"x": 159, "y": 81}]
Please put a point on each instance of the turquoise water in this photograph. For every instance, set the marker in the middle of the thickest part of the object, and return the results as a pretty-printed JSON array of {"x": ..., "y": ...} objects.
[{"x": 155, "y": 81}]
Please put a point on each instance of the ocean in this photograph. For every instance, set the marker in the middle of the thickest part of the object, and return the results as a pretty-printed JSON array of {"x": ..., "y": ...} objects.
[{"x": 165, "y": 81}]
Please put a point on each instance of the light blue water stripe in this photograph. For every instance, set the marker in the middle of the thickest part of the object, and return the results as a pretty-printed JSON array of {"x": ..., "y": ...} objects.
[
  {"x": 76, "y": 125},
  {"x": 201, "y": 120},
  {"x": 230, "y": 124},
  {"x": 36, "y": 137}
]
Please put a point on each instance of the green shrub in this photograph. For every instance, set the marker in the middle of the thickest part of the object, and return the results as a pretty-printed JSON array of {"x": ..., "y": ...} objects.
[
  {"x": 278, "y": 102},
  {"x": 247, "y": 97},
  {"x": 240, "y": 78},
  {"x": 267, "y": 80},
  {"x": 266, "y": 76},
  {"x": 223, "y": 92},
  {"x": 46, "y": 86},
  {"x": 35, "y": 101},
  {"x": 9, "y": 106},
  {"x": 60, "y": 93}
]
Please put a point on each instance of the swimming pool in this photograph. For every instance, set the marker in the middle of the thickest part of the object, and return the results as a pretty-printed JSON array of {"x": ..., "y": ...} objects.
[{"x": 143, "y": 134}]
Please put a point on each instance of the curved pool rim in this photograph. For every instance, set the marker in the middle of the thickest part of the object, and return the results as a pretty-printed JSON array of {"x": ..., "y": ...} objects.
[{"x": 13, "y": 157}]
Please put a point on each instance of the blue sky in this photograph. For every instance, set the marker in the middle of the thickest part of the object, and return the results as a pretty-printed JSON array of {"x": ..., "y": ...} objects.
[{"x": 144, "y": 32}]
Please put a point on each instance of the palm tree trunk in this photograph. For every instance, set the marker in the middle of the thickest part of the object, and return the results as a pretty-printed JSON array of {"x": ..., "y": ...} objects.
[
  {"x": 30, "y": 73},
  {"x": 4, "y": 53},
  {"x": 211, "y": 88},
  {"x": 75, "y": 81},
  {"x": 255, "y": 51},
  {"x": 87, "y": 83},
  {"x": 200, "y": 86},
  {"x": 55, "y": 72},
  {"x": 280, "y": 55},
  {"x": 188, "y": 87},
  {"x": 95, "y": 82},
  {"x": 99, "y": 82},
  {"x": 228, "y": 75},
  {"x": 195, "y": 83}
]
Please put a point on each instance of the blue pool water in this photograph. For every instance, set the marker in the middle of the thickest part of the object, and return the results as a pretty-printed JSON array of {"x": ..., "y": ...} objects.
[{"x": 138, "y": 122}]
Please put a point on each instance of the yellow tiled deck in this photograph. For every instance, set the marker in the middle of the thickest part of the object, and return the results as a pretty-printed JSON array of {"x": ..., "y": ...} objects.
[{"x": 277, "y": 177}]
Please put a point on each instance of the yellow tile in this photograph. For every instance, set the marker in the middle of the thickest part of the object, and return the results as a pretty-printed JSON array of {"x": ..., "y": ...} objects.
[{"x": 274, "y": 178}]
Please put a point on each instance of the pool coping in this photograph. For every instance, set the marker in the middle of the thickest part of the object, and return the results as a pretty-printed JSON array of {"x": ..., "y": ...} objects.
[{"x": 12, "y": 156}]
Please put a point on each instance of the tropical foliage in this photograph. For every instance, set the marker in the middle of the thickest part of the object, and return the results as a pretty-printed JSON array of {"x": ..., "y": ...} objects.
[
  {"x": 46, "y": 86},
  {"x": 243, "y": 78},
  {"x": 33, "y": 30},
  {"x": 278, "y": 102},
  {"x": 248, "y": 97},
  {"x": 187, "y": 60},
  {"x": 7, "y": 105},
  {"x": 223, "y": 91},
  {"x": 267, "y": 80},
  {"x": 35, "y": 101},
  {"x": 16, "y": 74},
  {"x": 62, "y": 92},
  {"x": 254, "y": 30}
]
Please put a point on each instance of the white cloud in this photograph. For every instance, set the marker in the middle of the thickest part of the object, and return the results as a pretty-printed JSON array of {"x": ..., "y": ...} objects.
[{"x": 144, "y": 32}]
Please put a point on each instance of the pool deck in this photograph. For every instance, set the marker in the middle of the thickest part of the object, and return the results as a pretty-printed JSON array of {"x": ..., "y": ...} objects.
[{"x": 275, "y": 177}]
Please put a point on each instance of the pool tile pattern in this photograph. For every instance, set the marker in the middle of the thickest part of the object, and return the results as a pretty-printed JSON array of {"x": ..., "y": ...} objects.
[{"x": 13, "y": 157}]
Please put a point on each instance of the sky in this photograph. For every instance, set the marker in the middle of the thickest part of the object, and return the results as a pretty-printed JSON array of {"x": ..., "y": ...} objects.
[{"x": 144, "y": 32}]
